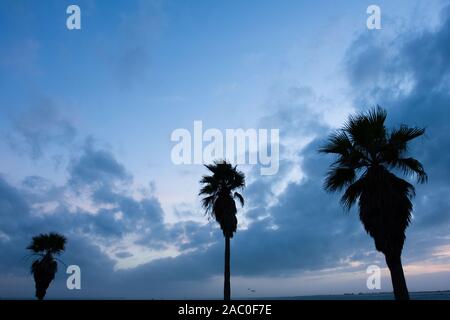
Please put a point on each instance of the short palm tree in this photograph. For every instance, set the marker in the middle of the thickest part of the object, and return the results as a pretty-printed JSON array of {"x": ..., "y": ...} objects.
[
  {"x": 219, "y": 191},
  {"x": 366, "y": 153},
  {"x": 46, "y": 246}
]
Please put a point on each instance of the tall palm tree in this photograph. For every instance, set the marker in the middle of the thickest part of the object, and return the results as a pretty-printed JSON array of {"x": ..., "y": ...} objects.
[
  {"x": 219, "y": 193},
  {"x": 366, "y": 153},
  {"x": 46, "y": 246}
]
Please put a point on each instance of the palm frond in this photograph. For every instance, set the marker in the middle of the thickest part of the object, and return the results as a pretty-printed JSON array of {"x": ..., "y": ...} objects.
[
  {"x": 397, "y": 143},
  {"x": 208, "y": 202},
  {"x": 352, "y": 193},
  {"x": 411, "y": 166},
  {"x": 402, "y": 135},
  {"x": 376, "y": 117},
  {"x": 339, "y": 177},
  {"x": 208, "y": 180},
  {"x": 240, "y": 198},
  {"x": 208, "y": 189},
  {"x": 338, "y": 143}
]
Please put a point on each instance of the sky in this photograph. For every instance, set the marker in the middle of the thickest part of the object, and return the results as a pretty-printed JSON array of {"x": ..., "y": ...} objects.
[{"x": 86, "y": 118}]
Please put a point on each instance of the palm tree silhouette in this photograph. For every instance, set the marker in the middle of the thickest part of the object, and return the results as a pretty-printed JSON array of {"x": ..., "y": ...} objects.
[
  {"x": 366, "y": 152},
  {"x": 219, "y": 191},
  {"x": 46, "y": 246}
]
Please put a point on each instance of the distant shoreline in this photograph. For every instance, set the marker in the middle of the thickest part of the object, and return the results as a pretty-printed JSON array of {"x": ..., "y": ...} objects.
[{"x": 416, "y": 295}]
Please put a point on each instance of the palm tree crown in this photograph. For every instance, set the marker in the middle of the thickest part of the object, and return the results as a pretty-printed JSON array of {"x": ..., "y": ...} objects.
[
  {"x": 52, "y": 243},
  {"x": 366, "y": 150},
  {"x": 219, "y": 191}
]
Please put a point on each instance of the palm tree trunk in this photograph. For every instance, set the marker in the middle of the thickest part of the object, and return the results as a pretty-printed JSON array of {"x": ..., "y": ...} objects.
[
  {"x": 226, "y": 284},
  {"x": 394, "y": 264}
]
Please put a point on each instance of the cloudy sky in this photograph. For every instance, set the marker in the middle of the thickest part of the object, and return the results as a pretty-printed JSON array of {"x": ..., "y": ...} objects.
[{"x": 86, "y": 118}]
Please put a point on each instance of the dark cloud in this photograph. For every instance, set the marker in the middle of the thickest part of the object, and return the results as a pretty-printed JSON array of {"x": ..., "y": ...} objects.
[
  {"x": 41, "y": 127},
  {"x": 298, "y": 113},
  {"x": 96, "y": 168},
  {"x": 12, "y": 208},
  {"x": 306, "y": 229},
  {"x": 123, "y": 254}
]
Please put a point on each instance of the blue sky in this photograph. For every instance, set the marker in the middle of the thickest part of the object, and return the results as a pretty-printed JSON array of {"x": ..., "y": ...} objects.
[{"x": 86, "y": 119}]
